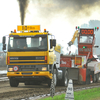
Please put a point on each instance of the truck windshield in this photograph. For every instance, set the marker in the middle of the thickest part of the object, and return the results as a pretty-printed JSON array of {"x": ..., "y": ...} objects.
[
  {"x": 32, "y": 43},
  {"x": 86, "y": 39}
]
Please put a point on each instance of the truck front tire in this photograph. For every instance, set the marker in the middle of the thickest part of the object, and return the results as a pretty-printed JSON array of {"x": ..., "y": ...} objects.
[
  {"x": 96, "y": 78},
  {"x": 13, "y": 82},
  {"x": 55, "y": 77},
  {"x": 64, "y": 81}
]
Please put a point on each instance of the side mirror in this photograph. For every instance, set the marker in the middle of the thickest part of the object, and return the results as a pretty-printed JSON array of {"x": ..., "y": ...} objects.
[
  {"x": 4, "y": 47},
  {"x": 52, "y": 43},
  {"x": 3, "y": 40}
]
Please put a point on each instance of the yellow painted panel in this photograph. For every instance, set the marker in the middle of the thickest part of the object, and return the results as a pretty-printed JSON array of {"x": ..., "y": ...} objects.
[
  {"x": 58, "y": 48},
  {"x": 78, "y": 60},
  {"x": 29, "y": 33},
  {"x": 28, "y": 28},
  {"x": 25, "y": 54},
  {"x": 35, "y": 73},
  {"x": 13, "y": 54}
]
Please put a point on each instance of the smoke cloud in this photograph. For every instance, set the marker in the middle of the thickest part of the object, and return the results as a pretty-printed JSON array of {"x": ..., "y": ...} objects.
[
  {"x": 49, "y": 7},
  {"x": 72, "y": 10},
  {"x": 61, "y": 16},
  {"x": 23, "y": 5}
]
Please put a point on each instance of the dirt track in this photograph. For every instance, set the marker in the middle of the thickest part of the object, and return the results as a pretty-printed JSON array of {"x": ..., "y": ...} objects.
[
  {"x": 3, "y": 68},
  {"x": 22, "y": 91}
]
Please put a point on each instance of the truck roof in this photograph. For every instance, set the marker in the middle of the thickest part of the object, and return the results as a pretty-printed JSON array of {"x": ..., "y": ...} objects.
[
  {"x": 29, "y": 33},
  {"x": 29, "y": 30}
]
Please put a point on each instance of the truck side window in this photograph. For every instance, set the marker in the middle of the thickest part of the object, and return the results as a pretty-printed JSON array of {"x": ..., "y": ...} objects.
[
  {"x": 49, "y": 37},
  {"x": 11, "y": 42}
]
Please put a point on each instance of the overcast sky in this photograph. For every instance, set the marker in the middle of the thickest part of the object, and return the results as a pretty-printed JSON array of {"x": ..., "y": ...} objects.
[{"x": 59, "y": 17}]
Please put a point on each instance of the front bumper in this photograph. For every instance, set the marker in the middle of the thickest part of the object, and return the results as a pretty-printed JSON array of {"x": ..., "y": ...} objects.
[{"x": 30, "y": 73}]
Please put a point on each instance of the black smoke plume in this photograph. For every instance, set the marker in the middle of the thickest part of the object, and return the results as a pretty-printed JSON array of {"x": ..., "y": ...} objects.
[{"x": 23, "y": 5}]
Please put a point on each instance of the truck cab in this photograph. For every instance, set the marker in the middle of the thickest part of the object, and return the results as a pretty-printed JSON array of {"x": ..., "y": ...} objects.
[
  {"x": 86, "y": 42},
  {"x": 32, "y": 56}
]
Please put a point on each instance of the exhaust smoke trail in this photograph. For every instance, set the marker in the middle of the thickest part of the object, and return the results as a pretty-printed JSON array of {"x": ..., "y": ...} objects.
[{"x": 23, "y": 5}]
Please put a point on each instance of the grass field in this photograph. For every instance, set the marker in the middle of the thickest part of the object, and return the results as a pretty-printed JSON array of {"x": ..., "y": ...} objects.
[{"x": 90, "y": 94}]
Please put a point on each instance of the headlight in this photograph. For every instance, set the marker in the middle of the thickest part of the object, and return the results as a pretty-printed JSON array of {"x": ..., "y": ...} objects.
[
  {"x": 10, "y": 69},
  {"x": 44, "y": 68}
]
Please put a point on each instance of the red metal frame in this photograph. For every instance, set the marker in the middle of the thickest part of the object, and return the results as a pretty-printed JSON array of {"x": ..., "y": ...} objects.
[
  {"x": 89, "y": 46},
  {"x": 65, "y": 61},
  {"x": 82, "y": 74}
]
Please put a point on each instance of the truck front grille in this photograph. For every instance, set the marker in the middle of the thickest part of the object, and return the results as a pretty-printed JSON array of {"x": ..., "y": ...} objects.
[{"x": 27, "y": 59}]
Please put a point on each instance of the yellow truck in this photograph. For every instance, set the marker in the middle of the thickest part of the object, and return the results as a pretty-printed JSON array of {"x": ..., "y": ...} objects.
[{"x": 33, "y": 57}]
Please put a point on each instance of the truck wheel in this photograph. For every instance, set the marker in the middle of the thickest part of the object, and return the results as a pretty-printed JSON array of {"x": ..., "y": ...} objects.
[
  {"x": 13, "y": 82},
  {"x": 97, "y": 77},
  {"x": 55, "y": 77},
  {"x": 64, "y": 78},
  {"x": 88, "y": 76}
]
